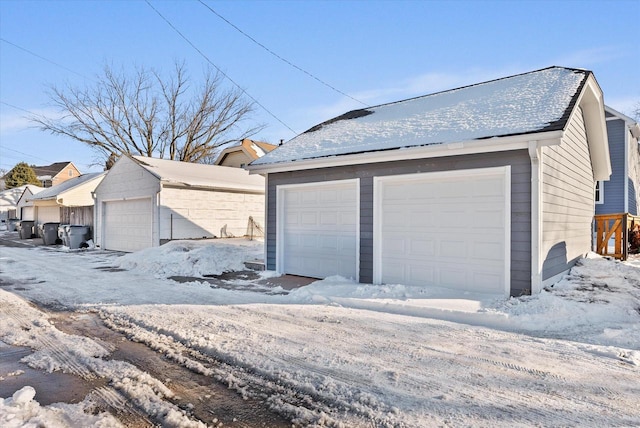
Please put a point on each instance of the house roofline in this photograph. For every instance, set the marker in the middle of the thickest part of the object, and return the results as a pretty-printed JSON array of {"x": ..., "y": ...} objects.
[
  {"x": 631, "y": 123},
  {"x": 494, "y": 144}
]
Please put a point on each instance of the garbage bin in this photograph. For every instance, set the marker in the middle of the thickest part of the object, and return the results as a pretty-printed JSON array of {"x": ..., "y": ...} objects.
[
  {"x": 26, "y": 229},
  {"x": 63, "y": 234},
  {"x": 77, "y": 235},
  {"x": 12, "y": 223},
  {"x": 50, "y": 233}
]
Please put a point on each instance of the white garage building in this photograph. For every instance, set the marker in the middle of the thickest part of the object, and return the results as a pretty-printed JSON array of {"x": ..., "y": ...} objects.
[{"x": 144, "y": 202}]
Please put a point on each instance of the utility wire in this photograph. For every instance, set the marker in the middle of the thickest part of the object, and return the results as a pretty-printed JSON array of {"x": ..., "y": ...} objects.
[
  {"x": 22, "y": 153},
  {"x": 279, "y": 57},
  {"x": 26, "y": 154},
  {"x": 26, "y": 111},
  {"x": 21, "y": 109},
  {"x": 218, "y": 68},
  {"x": 43, "y": 58}
]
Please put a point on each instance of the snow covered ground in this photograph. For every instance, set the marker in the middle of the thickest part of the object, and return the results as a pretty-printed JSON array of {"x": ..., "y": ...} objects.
[{"x": 334, "y": 353}]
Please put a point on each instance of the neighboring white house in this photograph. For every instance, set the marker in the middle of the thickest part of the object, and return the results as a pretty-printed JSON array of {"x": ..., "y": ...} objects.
[
  {"x": 24, "y": 207},
  {"x": 145, "y": 202},
  {"x": 9, "y": 201}
]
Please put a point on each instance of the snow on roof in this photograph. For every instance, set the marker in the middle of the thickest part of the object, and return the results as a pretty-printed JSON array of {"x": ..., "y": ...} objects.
[
  {"x": 29, "y": 190},
  {"x": 10, "y": 197},
  {"x": 197, "y": 174},
  {"x": 54, "y": 191},
  {"x": 526, "y": 103}
]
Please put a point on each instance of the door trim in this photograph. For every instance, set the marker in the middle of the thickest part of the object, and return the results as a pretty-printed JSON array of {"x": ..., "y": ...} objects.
[
  {"x": 378, "y": 183},
  {"x": 280, "y": 204}
]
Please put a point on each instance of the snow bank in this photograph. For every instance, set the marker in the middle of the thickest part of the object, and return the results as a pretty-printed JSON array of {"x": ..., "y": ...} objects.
[
  {"x": 598, "y": 302},
  {"x": 22, "y": 410},
  {"x": 194, "y": 258}
]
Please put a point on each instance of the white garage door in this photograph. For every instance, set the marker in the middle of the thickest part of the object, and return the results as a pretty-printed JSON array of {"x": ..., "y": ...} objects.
[
  {"x": 27, "y": 213},
  {"x": 48, "y": 214},
  {"x": 127, "y": 225},
  {"x": 444, "y": 229},
  {"x": 318, "y": 229}
]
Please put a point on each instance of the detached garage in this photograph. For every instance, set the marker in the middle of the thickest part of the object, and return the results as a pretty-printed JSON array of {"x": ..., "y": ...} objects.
[
  {"x": 144, "y": 202},
  {"x": 486, "y": 188},
  {"x": 69, "y": 202}
]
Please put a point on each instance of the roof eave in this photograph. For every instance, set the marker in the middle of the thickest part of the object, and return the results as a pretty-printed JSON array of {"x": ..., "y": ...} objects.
[
  {"x": 591, "y": 101},
  {"x": 494, "y": 144}
]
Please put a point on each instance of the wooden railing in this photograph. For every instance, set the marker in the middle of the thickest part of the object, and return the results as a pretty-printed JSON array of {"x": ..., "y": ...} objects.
[{"x": 615, "y": 227}]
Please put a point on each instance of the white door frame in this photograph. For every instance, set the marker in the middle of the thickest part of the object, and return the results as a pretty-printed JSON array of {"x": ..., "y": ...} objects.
[
  {"x": 378, "y": 183},
  {"x": 280, "y": 204}
]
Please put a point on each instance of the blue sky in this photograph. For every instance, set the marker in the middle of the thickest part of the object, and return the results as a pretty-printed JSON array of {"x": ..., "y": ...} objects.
[{"x": 375, "y": 51}]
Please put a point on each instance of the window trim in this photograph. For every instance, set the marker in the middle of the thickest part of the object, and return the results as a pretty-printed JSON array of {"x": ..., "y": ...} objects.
[{"x": 599, "y": 192}]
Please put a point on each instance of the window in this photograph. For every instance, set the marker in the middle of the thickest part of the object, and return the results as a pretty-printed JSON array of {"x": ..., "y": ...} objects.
[
  {"x": 599, "y": 192},
  {"x": 70, "y": 172}
]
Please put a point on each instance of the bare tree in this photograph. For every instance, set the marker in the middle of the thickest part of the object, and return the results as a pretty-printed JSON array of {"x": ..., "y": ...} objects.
[{"x": 148, "y": 114}]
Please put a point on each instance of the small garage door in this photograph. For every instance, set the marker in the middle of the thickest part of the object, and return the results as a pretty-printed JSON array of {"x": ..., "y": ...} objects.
[
  {"x": 444, "y": 229},
  {"x": 318, "y": 229},
  {"x": 127, "y": 225},
  {"x": 48, "y": 214},
  {"x": 27, "y": 213}
]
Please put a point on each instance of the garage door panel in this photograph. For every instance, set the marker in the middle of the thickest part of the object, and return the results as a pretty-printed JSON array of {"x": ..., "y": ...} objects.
[
  {"x": 487, "y": 250},
  {"x": 442, "y": 230},
  {"x": 319, "y": 229},
  {"x": 127, "y": 225},
  {"x": 48, "y": 214},
  {"x": 452, "y": 249}
]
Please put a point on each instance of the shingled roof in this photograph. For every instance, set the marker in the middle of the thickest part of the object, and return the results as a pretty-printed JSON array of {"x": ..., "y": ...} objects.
[
  {"x": 50, "y": 170},
  {"x": 527, "y": 103}
]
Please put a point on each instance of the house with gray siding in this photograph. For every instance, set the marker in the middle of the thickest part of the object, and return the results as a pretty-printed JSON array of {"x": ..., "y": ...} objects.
[
  {"x": 484, "y": 188},
  {"x": 621, "y": 194}
]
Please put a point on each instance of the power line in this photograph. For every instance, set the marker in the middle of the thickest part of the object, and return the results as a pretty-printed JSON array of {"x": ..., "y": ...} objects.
[
  {"x": 43, "y": 58},
  {"x": 218, "y": 68},
  {"x": 279, "y": 57},
  {"x": 21, "y": 109},
  {"x": 26, "y": 154},
  {"x": 22, "y": 153}
]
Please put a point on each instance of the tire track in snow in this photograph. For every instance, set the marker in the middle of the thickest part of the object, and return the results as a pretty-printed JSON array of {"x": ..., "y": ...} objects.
[
  {"x": 65, "y": 359},
  {"x": 298, "y": 403},
  {"x": 548, "y": 415},
  {"x": 120, "y": 406},
  {"x": 507, "y": 365}
]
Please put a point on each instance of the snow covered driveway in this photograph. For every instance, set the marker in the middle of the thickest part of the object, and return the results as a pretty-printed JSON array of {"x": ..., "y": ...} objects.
[
  {"x": 359, "y": 366},
  {"x": 338, "y": 353}
]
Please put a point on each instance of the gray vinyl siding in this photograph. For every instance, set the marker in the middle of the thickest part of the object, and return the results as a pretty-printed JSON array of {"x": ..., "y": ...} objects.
[
  {"x": 634, "y": 175},
  {"x": 567, "y": 200},
  {"x": 614, "y": 188},
  {"x": 520, "y": 203}
]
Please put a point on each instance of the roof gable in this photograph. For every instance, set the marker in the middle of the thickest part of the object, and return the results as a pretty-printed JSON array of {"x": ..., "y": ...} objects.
[
  {"x": 29, "y": 191},
  {"x": 250, "y": 148},
  {"x": 51, "y": 170},
  {"x": 528, "y": 103},
  {"x": 10, "y": 197},
  {"x": 54, "y": 192},
  {"x": 201, "y": 175}
]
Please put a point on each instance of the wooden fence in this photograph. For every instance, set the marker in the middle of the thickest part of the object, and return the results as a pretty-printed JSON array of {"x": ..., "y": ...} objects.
[
  {"x": 618, "y": 228},
  {"x": 77, "y": 215}
]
